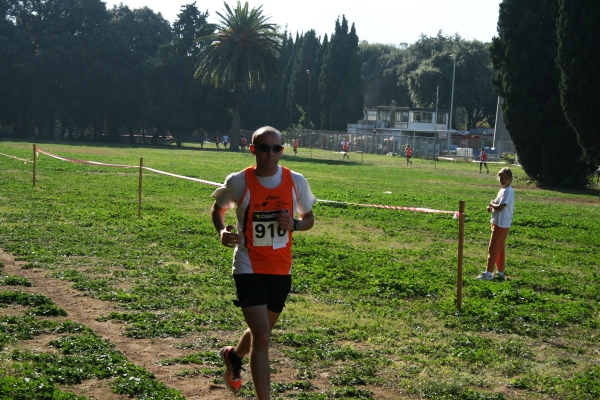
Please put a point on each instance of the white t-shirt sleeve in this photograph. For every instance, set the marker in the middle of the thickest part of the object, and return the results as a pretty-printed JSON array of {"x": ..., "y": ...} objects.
[
  {"x": 228, "y": 195},
  {"x": 306, "y": 198}
]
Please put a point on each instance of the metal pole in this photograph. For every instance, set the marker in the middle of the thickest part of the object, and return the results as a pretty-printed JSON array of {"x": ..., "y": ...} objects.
[
  {"x": 437, "y": 93},
  {"x": 452, "y": 98},
  {"x": 308, "y": 113},
  {"x": 461, "y": 239}
]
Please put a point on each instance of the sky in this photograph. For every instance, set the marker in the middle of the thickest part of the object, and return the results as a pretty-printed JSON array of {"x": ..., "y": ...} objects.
[{"x": 376, "y": 21}]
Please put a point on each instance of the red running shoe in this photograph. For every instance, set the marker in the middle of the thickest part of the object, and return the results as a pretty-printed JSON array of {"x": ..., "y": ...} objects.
[{"x": 232, "y": 377}]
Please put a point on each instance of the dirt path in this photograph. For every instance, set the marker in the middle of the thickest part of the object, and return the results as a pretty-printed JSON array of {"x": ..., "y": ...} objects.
[
  {"x": 146, "y": 353},
  {"x": 143, "y": 352}
]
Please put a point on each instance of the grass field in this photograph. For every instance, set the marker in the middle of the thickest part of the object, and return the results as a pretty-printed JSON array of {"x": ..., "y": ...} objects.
[{"x": 373, "y": 310}]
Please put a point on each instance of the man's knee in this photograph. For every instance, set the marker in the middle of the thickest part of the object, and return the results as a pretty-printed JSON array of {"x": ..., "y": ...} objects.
[{"x": 261, "y": 340}]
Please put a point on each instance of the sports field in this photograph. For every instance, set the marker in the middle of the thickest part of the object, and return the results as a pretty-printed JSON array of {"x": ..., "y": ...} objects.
[{"x": 98, "y": 303}]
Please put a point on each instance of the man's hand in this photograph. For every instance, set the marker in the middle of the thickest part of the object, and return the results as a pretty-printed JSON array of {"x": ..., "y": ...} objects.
[
  {"x": 285, "y": 221},
  {"x": 230, "y": 238}
]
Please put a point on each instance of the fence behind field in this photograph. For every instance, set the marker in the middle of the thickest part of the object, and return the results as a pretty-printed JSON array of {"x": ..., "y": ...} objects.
[{"x": 384, "y": 144}]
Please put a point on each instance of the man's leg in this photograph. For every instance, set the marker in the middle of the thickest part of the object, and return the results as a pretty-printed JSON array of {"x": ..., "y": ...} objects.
[{"x": 255, "y": 341}]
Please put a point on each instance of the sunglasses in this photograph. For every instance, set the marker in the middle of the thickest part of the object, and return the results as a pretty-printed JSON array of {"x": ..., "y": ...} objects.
[{"x": 265, "y": 147}]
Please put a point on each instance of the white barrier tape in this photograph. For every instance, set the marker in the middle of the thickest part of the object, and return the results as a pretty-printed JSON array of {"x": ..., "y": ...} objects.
[
  {"x": 130, "y": 166},
  {"x": 184, "y": 177},
  {"x": 15, "y": 158},
  {"x": 416, "y": 209},
  {"x": 84, "y": 162}
]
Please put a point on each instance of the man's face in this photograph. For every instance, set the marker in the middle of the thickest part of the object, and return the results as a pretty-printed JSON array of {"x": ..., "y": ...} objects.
[{"x": 266, "y": 157}]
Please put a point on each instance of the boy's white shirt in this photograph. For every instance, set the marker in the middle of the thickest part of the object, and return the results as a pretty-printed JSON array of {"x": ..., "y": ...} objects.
[{"x": 503, "y": 218}]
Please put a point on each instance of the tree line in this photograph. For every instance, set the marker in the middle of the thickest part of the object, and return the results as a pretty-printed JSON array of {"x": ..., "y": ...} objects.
[{"x": 75, "y": 66}]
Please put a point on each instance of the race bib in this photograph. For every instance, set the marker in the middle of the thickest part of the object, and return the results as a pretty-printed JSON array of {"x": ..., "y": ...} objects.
[{"x": 266, "y": 231}]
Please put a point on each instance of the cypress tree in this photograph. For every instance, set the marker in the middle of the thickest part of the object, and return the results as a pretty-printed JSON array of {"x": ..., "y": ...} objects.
[
  {"x": 579, "y": 63},
  {"x": 524, "y": 55},
  {"x": 298, "y": 87},
  {"x": 340, "y": 83},
  {"x": 315, "y": 108},
  {"x": 283, "y": 115}
]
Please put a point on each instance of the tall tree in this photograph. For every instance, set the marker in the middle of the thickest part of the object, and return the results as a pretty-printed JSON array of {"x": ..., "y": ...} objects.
[
  {"x": 314, "y": 114},
  {"x": 298, "y": 88},
  {"x": 283, "y": 112},
  {"x": 579, "y": 63},
  {"x": 429, "y": 63},
  {"x": 524, "y": 55},
  {"x": 243, "y": 51},
  {"x": 335, "y": 83},
  {"x": 177, "y": 101},
  {"x": 380, "y": 77}
]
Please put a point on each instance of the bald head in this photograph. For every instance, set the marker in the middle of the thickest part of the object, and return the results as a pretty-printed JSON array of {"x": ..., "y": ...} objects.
[{"x": 266, "y": 130}]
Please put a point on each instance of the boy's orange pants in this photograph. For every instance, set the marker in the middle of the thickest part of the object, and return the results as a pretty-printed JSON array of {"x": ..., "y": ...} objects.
[{"x": 497, "y": 249}]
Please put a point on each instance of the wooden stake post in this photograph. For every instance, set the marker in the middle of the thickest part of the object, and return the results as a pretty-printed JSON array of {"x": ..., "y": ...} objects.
[
  {"x": 34, "y": 156},
  {"x": 461, "y": 237},
  {"x": 140, "y": 188}
]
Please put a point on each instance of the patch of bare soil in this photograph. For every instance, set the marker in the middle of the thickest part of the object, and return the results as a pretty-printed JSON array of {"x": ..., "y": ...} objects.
[{"x": 146, "y": 353}]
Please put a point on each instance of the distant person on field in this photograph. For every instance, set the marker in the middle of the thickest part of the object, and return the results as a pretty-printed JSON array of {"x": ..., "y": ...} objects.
[
  {"x": 266, "y": 198},
  {"x": 217, "y": 140},
  {"x": 502, "y": 213},
  {"x": 408, "y": 153},
  {"x": 483, "y": 160},
  {"x": 243, "y": 143},
  {"x": 201, "y": 140},
  {"x": 345, "y": 148},
  {"x": 225, "y": 141},
  {"x": 295, "y": 146}
]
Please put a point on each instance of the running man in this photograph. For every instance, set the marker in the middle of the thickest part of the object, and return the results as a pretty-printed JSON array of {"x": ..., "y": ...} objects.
[
  {"x": 408, "y": 153},
  {"x": 483, "y": 160},
  {"x": 345, "y": 148},
  {"x": 266, "y": 197}
]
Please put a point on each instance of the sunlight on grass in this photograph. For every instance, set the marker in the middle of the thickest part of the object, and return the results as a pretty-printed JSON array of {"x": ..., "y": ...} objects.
[{"x": 373, "y": 306}]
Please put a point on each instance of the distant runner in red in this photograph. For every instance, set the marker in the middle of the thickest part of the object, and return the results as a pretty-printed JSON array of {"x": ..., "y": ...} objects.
[
  {"x": 408, "y": 153},
  {"x": 346, "y": 148},
  {"x": 483, "y": 160}
]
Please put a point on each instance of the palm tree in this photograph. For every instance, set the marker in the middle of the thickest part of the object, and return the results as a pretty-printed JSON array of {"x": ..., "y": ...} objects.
[{"x": 244, "y": 51}]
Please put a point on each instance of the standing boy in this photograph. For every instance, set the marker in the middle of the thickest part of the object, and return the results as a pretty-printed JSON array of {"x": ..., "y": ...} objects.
[
  {"x": 267, "y": 198},
  {"x": 501, "y": 208}
]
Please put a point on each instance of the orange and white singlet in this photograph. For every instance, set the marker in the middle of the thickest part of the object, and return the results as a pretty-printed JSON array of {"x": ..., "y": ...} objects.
[{"x": 269, "y": 248}]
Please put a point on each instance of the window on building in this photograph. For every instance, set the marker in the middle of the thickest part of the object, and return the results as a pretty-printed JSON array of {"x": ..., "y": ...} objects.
[
  {"x": 371, "y": 115},
  {"x": 384, "y": 115},
  {"x": 401, "y": 116},
  {"x": 422, "y": 116},
  {"x": 441, "y": 118}
]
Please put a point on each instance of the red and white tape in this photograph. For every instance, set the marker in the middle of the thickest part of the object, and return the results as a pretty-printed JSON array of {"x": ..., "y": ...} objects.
[
  {"x": 15, "y": 158},
  {"x": 456, "y": 214},
  {"x": 184, "y": 177},
  {"x": 83, "y": 161}
]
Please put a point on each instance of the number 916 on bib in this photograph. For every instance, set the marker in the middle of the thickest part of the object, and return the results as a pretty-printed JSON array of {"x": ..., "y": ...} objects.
[{"x": 266, "y": 231}]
